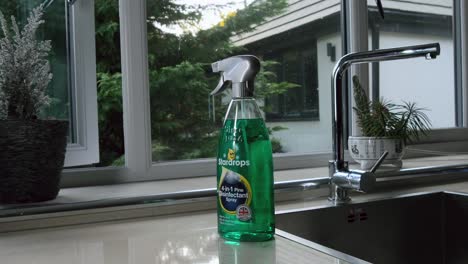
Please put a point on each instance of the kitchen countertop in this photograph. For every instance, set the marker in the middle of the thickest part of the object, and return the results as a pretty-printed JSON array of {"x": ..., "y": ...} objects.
[
  {"x": 185, "y": 238},
  {"x": 178, "y": 238}
]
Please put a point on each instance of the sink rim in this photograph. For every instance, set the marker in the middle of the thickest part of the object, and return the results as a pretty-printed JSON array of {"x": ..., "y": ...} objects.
[
  {"x": 321, "y": 248},
  {"x": 363, "y": 199},
  {"x": 336, "y": 253}
]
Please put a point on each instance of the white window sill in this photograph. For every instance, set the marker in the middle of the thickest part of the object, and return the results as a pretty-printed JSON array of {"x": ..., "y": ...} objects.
[
  {"x": 87, "y": 195},
  {"x": 136, "y": 189},
  {"x": 125, "y": 190}
]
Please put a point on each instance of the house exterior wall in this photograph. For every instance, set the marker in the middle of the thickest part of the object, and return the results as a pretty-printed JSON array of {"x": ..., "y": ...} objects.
[
  {"x": 314, "y": 136},
  {"x": 429, "y": 83}
]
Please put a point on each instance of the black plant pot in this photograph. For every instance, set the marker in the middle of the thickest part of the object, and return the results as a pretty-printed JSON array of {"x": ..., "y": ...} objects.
[{"x": 32, "y": 153}]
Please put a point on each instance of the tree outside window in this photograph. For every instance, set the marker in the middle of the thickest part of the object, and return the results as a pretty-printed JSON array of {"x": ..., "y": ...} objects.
[{"x": 180, "y": 55}]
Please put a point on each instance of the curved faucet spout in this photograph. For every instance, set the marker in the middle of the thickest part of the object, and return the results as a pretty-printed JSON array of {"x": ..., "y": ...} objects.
[{"x": 429, "y": 51}]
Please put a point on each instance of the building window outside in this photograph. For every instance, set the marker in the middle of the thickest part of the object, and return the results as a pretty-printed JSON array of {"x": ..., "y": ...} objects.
[{"x": 296, "y": 66}]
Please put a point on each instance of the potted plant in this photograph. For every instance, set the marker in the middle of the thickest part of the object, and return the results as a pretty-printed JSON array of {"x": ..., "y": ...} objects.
[
  {"x": 385, "y": 126},
  {"x": 32, "y": 150}
]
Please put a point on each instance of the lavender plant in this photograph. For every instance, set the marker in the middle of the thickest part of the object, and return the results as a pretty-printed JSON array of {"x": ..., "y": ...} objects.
[{"x": 24, "y": 68}]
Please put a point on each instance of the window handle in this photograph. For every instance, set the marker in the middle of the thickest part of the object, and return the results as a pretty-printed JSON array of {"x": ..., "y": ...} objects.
[{"x": 379, "y": 6}]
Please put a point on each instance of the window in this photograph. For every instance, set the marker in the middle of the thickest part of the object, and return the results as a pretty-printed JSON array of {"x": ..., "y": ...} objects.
[
  {"x": 417, "y": 77},
  {"x": 73, "y": 87},
  {"x": 306, "y": 49},
  {"x": 430, "y": 84},
  {"x": 169, "y": 132},
  {"x": 54, "y": 29},
  {"x": 181, "y": 49}
]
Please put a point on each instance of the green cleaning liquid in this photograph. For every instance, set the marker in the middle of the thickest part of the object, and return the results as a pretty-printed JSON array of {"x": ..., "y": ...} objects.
[{"x": 245, "y": 176}]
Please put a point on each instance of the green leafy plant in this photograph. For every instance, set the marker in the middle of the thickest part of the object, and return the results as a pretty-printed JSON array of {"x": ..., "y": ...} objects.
[
  {"x": 276, "y": 146},
  {"x": 110, "y": 116},
  {"x": 24, "y": 68},
  {"x": 382, "y": 118}
]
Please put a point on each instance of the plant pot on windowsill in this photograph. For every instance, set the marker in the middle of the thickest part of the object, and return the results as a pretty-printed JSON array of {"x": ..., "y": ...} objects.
[
  {"x": 367, "y": 150},
  {"x": 32, "y": 157}
]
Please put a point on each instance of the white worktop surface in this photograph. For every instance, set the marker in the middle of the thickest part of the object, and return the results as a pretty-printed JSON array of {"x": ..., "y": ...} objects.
[
  {"x": 190, "y": 238},
  {"x": 180, "y": 238}
]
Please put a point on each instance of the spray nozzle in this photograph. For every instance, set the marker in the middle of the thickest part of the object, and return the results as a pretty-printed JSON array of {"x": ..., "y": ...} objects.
[{"x": 239, "y": 71}]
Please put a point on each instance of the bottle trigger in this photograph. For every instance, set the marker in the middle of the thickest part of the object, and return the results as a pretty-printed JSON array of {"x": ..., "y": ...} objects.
[{"x": 222, "y": 85}]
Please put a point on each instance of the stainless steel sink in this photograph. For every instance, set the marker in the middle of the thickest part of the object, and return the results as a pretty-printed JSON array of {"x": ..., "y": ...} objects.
[{"x": 418, "y": 228}]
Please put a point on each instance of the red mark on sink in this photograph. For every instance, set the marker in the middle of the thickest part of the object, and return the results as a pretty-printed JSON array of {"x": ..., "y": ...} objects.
[{"x": 358, "y": 214}]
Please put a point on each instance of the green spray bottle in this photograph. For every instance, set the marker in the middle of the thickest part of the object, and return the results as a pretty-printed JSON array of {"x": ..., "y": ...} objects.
[{"x": 244, "y": 163}]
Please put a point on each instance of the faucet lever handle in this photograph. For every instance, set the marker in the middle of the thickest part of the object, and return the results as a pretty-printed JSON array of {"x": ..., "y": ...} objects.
[{"x": 379, "y": 162}]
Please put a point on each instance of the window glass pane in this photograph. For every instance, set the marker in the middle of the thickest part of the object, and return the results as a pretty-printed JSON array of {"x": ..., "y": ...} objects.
[
  {"x": 55, "y": 30},
  {"x": 109, "y": 83},
  {"x": 430, "y": 84},
  {"x": 298, "y": 43},
  {"x": 59, "y": 30}
]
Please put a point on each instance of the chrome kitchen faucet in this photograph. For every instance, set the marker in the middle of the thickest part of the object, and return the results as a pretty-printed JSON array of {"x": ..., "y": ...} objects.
[{"x": 341, "y": 178}]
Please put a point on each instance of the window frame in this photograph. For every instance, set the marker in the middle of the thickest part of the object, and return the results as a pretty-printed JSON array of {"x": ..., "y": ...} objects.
[
  {"x": 460, "y": 23},
  {"x": 137, "y": 122},
  {"x": 82, "y": 60}
]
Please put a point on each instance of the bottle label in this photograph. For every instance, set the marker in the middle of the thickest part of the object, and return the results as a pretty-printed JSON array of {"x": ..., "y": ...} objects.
[
  {"x": 230, "y": 159},
  {"x": 235, "y": 194}
]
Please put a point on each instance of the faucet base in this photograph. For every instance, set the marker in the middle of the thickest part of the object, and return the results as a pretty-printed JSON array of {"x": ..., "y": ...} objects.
[{"x": 338, "y": 195}]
